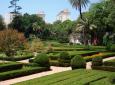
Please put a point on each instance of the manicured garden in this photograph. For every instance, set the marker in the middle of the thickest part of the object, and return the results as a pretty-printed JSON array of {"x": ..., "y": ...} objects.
[
  {"x": 30, "y": 45},
  {"x": 9, "y": 70},
  {"x": 74, "y": 77}
]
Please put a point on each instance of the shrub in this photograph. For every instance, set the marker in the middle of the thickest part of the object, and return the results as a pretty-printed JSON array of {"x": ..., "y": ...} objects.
[
  {"x": 17, "y": 58},
  {"x": 78, "y": 62},
  {"x": 64, "y": 56},
  {"x": 109, "y": 63},
  {"x": 11, "y": 41},
  {"x": 42, "y": 60},
  {"x": 54, "y": 63},
  {"x": 103, "y": 55},
  {"x": 35, "y": 46},
  {"x": 97, "y": 61},
  {"x": 54, "y": 57},
  {"x": 104, "y": 68},
  {"x": 10, "y": 66},
  {"x": 21, "y": 72},
  {"x": 64, "y": 59}
]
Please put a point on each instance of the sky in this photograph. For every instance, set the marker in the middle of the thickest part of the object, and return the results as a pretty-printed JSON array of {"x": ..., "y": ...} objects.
[{"x": 50, "y": 7}]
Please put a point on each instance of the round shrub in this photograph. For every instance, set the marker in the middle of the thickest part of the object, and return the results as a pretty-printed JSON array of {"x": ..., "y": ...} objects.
[
  {"x": 64, "y": 59},
  {"x": 97, "y": 61},
  {"x": 78, "y": 62},
  {"x": 42, "y": 60}
]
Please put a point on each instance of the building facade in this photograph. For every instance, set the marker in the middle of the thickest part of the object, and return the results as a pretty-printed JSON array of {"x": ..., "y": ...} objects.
[
  {"x": 41, "y": 14},
  {"x": 63, "y": 15}
]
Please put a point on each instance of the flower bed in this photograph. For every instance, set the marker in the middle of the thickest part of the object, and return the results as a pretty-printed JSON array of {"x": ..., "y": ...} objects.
[{"x": 103, "y": 55}]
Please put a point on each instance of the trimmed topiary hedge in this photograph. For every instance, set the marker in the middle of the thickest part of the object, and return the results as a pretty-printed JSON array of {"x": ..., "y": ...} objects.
[
  {"x": 16, "y": 58},
  {"x": 105, "y": 68},
  {"x": 69, "y": 49},
  {"x": 78, "y": 62},
  {"x": 54, "y": 63},
  {"x": 21, "y": 72},
  {"x": 10, "y": 66},
  {"x": 42, "y": 60},
  {"x": 106, "y": 55},
  {"x": 109, "y": 64},
  {"x": 97, "y": 61},
  {"x": 89, "y": 54},
  {"x": 64, "y": 59}
]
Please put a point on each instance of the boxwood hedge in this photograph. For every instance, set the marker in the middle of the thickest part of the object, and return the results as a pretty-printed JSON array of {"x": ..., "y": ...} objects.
[
  {"x": 21, "y": 72},
  {"x": 10, "y": 66}
]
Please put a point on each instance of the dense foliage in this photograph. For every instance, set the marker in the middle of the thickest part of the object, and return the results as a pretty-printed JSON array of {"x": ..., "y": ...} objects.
[
  {"x": 78, "y": 62},
  {"x": 97, "y": 61},
  {"x": 42, "y": 60},
  {"x": 11, "y": 41},
  {"x": 64, "y": 59}
]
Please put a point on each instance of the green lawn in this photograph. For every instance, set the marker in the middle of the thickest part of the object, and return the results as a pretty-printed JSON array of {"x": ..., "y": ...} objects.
[{"x": 75, "y": 77}]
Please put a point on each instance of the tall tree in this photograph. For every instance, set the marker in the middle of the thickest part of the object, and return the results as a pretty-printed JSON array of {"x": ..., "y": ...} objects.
[
  {"x": 78, "y": 4},
  {"x": 14, "y": 5}
]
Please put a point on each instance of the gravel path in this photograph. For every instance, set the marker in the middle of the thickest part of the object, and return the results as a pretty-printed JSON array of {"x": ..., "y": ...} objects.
[{"x": 37, "y": 75}]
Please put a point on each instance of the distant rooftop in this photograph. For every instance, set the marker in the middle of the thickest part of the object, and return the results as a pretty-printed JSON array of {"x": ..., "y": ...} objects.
[{"x": 65, "y": 11}]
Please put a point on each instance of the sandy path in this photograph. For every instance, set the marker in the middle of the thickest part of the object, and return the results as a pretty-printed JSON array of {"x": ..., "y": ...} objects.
[{"x": 37, "y": 75}]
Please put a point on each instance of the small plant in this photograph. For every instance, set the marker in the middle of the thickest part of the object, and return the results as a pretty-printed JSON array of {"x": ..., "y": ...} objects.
[
  {"x": 78, "y": 62},
  {"x": 42, "y": 60},
  {"x": 97, "y": 61}
]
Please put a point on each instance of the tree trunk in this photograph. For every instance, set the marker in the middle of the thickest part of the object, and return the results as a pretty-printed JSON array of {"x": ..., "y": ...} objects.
[
  {"x": 84, "y": 39},
  {"x": 80, "y": 12}
]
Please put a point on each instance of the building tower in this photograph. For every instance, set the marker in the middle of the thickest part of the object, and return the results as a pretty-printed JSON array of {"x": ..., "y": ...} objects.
[
  {"x": 41, "y": 14},
  {"x": 63, "y": 15}
]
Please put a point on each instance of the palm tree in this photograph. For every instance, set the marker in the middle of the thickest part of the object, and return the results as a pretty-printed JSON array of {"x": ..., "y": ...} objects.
[
  {"x": 85, "y": 26},
  {"x": 78, "y": 4}
]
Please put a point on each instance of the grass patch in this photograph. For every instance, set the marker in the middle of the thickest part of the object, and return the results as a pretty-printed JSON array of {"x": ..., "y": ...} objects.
[{"x": 74, "y": 77}]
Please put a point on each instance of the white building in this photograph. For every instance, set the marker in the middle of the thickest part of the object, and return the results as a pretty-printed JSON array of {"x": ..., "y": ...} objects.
[
  {"x": 6, "y": 18},
  {"x": 9, "y": 17},
  {"x": 63, "y": 15},
  {"x": 41, "y": 14}
]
